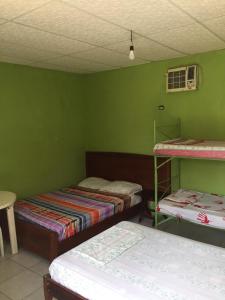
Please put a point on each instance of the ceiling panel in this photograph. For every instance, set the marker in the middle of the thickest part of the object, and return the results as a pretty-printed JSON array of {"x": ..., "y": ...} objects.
[
  {"x": 202, "y": 9},
  {"x": 65, "y": 68},
  {"x": 74, "y": 64},
  {"x": 143, "y": 16},
  {"x": 10, "y": 9},
  {"x": 190, "y": 39},
  {"x": 86, "y": 36},
  {"x": 13, "y": 60},
  {"x": 2, "y": 21},
  {"x": 145, "y": 49},
  {"x": 18, "y": 51},
  {"x": 62, "y": 19},
  {"x": 217, "y": 25},
  {"x": 109, "y": 57},
  {"x": 30, "y": 37}
]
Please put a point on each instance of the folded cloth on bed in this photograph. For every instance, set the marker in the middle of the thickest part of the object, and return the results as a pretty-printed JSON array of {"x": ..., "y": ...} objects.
[
  {"x": 184, "y": 196},
  {"x": 70, "y": 210},
  {"x": 109, "y": 245}
]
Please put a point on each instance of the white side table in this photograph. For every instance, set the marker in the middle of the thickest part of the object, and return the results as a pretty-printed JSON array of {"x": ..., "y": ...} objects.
[{"x": 7, "y": 200}]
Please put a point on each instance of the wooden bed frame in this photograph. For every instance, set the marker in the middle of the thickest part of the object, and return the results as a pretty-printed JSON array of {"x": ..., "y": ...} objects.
[
  {"x": 143, "y": 166},
  {"x": 54, "y": 289},
  {"x": 113, "y": 166}
]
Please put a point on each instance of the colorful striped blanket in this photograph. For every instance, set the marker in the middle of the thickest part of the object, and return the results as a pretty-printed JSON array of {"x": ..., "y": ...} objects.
[{"x": 70, "y": 210}]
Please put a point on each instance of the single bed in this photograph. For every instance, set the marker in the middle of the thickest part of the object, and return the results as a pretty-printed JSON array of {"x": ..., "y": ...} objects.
[
  {"x": 197, "y": 148},
  {"x": 131, "y": 261},
  {"x": 197, "y": 207},
  {"x": 112, "y": 166}
]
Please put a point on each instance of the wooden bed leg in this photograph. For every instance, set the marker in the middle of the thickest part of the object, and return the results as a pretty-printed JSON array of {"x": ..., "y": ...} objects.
[
  {"x": 47, "y": 293},
  {"x": 54, "y": 247}
]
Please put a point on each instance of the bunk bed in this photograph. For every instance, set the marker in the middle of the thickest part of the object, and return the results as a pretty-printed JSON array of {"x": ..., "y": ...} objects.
[
  {"x": 194, "y": 206},
  {"x": 136, "y": 168}
]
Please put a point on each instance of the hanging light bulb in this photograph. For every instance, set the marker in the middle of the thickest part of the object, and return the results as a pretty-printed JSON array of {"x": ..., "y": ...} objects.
[{"x": 131, "y": 53}]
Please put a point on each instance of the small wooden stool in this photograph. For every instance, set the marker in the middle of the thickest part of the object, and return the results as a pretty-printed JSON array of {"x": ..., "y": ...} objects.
[{"x": 7, "y": 200}]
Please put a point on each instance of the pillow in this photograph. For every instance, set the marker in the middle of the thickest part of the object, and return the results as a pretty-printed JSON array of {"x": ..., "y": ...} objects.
[
  {"x": 93, "y": 183},
  {"x": 122, "y": 187}
]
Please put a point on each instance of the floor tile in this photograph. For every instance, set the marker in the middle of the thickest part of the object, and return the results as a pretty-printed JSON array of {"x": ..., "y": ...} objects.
[
  {"x": 146, "y": 221},
  {"x": 21, "y": 285},
  {"x": 7, "y": 250},
  {"x": 9, "y": 269},
  {"x": 3, "y": 297},
  {"x": 195, "y": 232},
  {"x": 189, "y": 230},
  {"x": 25, "y": 258},
  {"x": 37, "y": 295},
  {"x": 41, "y": 268}
]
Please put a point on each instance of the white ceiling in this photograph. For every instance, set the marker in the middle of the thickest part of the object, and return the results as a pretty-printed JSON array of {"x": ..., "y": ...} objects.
[{"x": 85, "y": 36}]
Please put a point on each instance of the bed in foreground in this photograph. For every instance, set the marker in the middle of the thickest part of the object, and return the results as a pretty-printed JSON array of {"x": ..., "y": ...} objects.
[{"x": 131, "y": 261}]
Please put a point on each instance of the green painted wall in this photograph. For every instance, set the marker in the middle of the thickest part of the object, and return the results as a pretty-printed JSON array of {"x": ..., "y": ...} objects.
[
  {"x": 121, "y": 106},
  {"x": 49, "y": 118},
  {"x": 41, "y": 129}
]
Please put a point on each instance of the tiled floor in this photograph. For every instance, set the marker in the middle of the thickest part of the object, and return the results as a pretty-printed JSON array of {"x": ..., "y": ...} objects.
[
  {"x": 21, "y": 274},
  {"x": 192, "y": 231}
]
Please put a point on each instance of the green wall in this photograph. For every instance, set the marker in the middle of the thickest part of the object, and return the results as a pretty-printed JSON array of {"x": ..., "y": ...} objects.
[
  {"x": 41, "y": 129},
  {"x": 121, "y": 106},
  {"x": 49, "y": 118}
]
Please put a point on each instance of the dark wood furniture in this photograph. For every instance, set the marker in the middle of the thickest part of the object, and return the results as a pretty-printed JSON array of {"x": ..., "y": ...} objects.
[
  {"x": 133, "y": 167},
  {"x": 113, "y": 166},
  {"x": 54, "y": 289}
]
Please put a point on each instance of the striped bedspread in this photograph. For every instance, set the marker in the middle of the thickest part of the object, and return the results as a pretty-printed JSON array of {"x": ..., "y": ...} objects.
[{"x": 70, "y": 210}]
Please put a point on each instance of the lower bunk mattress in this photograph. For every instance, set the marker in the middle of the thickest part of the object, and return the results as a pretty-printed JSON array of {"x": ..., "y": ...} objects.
[
  {"x": 197, "y": 207},
  {"x": 71, "y": 210},
  {"x": 131, "y": 261}
]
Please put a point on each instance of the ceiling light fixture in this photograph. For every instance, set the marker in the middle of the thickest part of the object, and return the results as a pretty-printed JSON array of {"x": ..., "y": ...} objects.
[{"x": 131, "y": 53}]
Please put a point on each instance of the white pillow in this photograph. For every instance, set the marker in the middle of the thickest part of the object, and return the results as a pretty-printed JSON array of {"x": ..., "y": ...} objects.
[
  {"x": 93, "y": 183},
  {"x": 122, "y": 187}
]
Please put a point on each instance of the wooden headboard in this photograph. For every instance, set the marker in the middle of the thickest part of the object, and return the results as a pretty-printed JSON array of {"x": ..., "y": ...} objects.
[{"x": 137, "y": 168}]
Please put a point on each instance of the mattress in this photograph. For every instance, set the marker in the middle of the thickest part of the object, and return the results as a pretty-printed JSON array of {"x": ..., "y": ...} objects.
[
  {"x": 197, "y": 207},
  {"x": 131, "y": 261},
  {"x": 191, "y": 148},
  {"x": 71, "y": 210}
]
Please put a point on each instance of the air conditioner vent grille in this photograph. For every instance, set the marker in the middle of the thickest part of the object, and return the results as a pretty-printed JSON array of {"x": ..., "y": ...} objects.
[{"x": 182, "y": 79}]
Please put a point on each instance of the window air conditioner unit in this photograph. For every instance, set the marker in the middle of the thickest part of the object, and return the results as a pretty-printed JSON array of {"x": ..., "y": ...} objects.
[{"x": 182, "y": 79}]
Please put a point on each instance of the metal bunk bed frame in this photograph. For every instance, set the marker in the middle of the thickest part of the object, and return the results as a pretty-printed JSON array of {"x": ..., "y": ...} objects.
[
  {"x": 168, "y": 131},
  {"x": 175, "y": 170}
]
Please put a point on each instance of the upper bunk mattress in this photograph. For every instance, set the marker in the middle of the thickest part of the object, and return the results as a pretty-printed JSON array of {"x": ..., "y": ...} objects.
[
  {"x": 131, "y": 261},
  {"x": 191, "y": 148},
  {"x": 201, "y": 208},
  {"x": 70, "y": 210}
]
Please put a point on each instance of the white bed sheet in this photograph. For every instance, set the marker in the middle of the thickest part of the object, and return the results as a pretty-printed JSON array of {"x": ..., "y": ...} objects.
[
  {"x": 201, "y": 208},
  {"x": 148, "y": 264}
]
